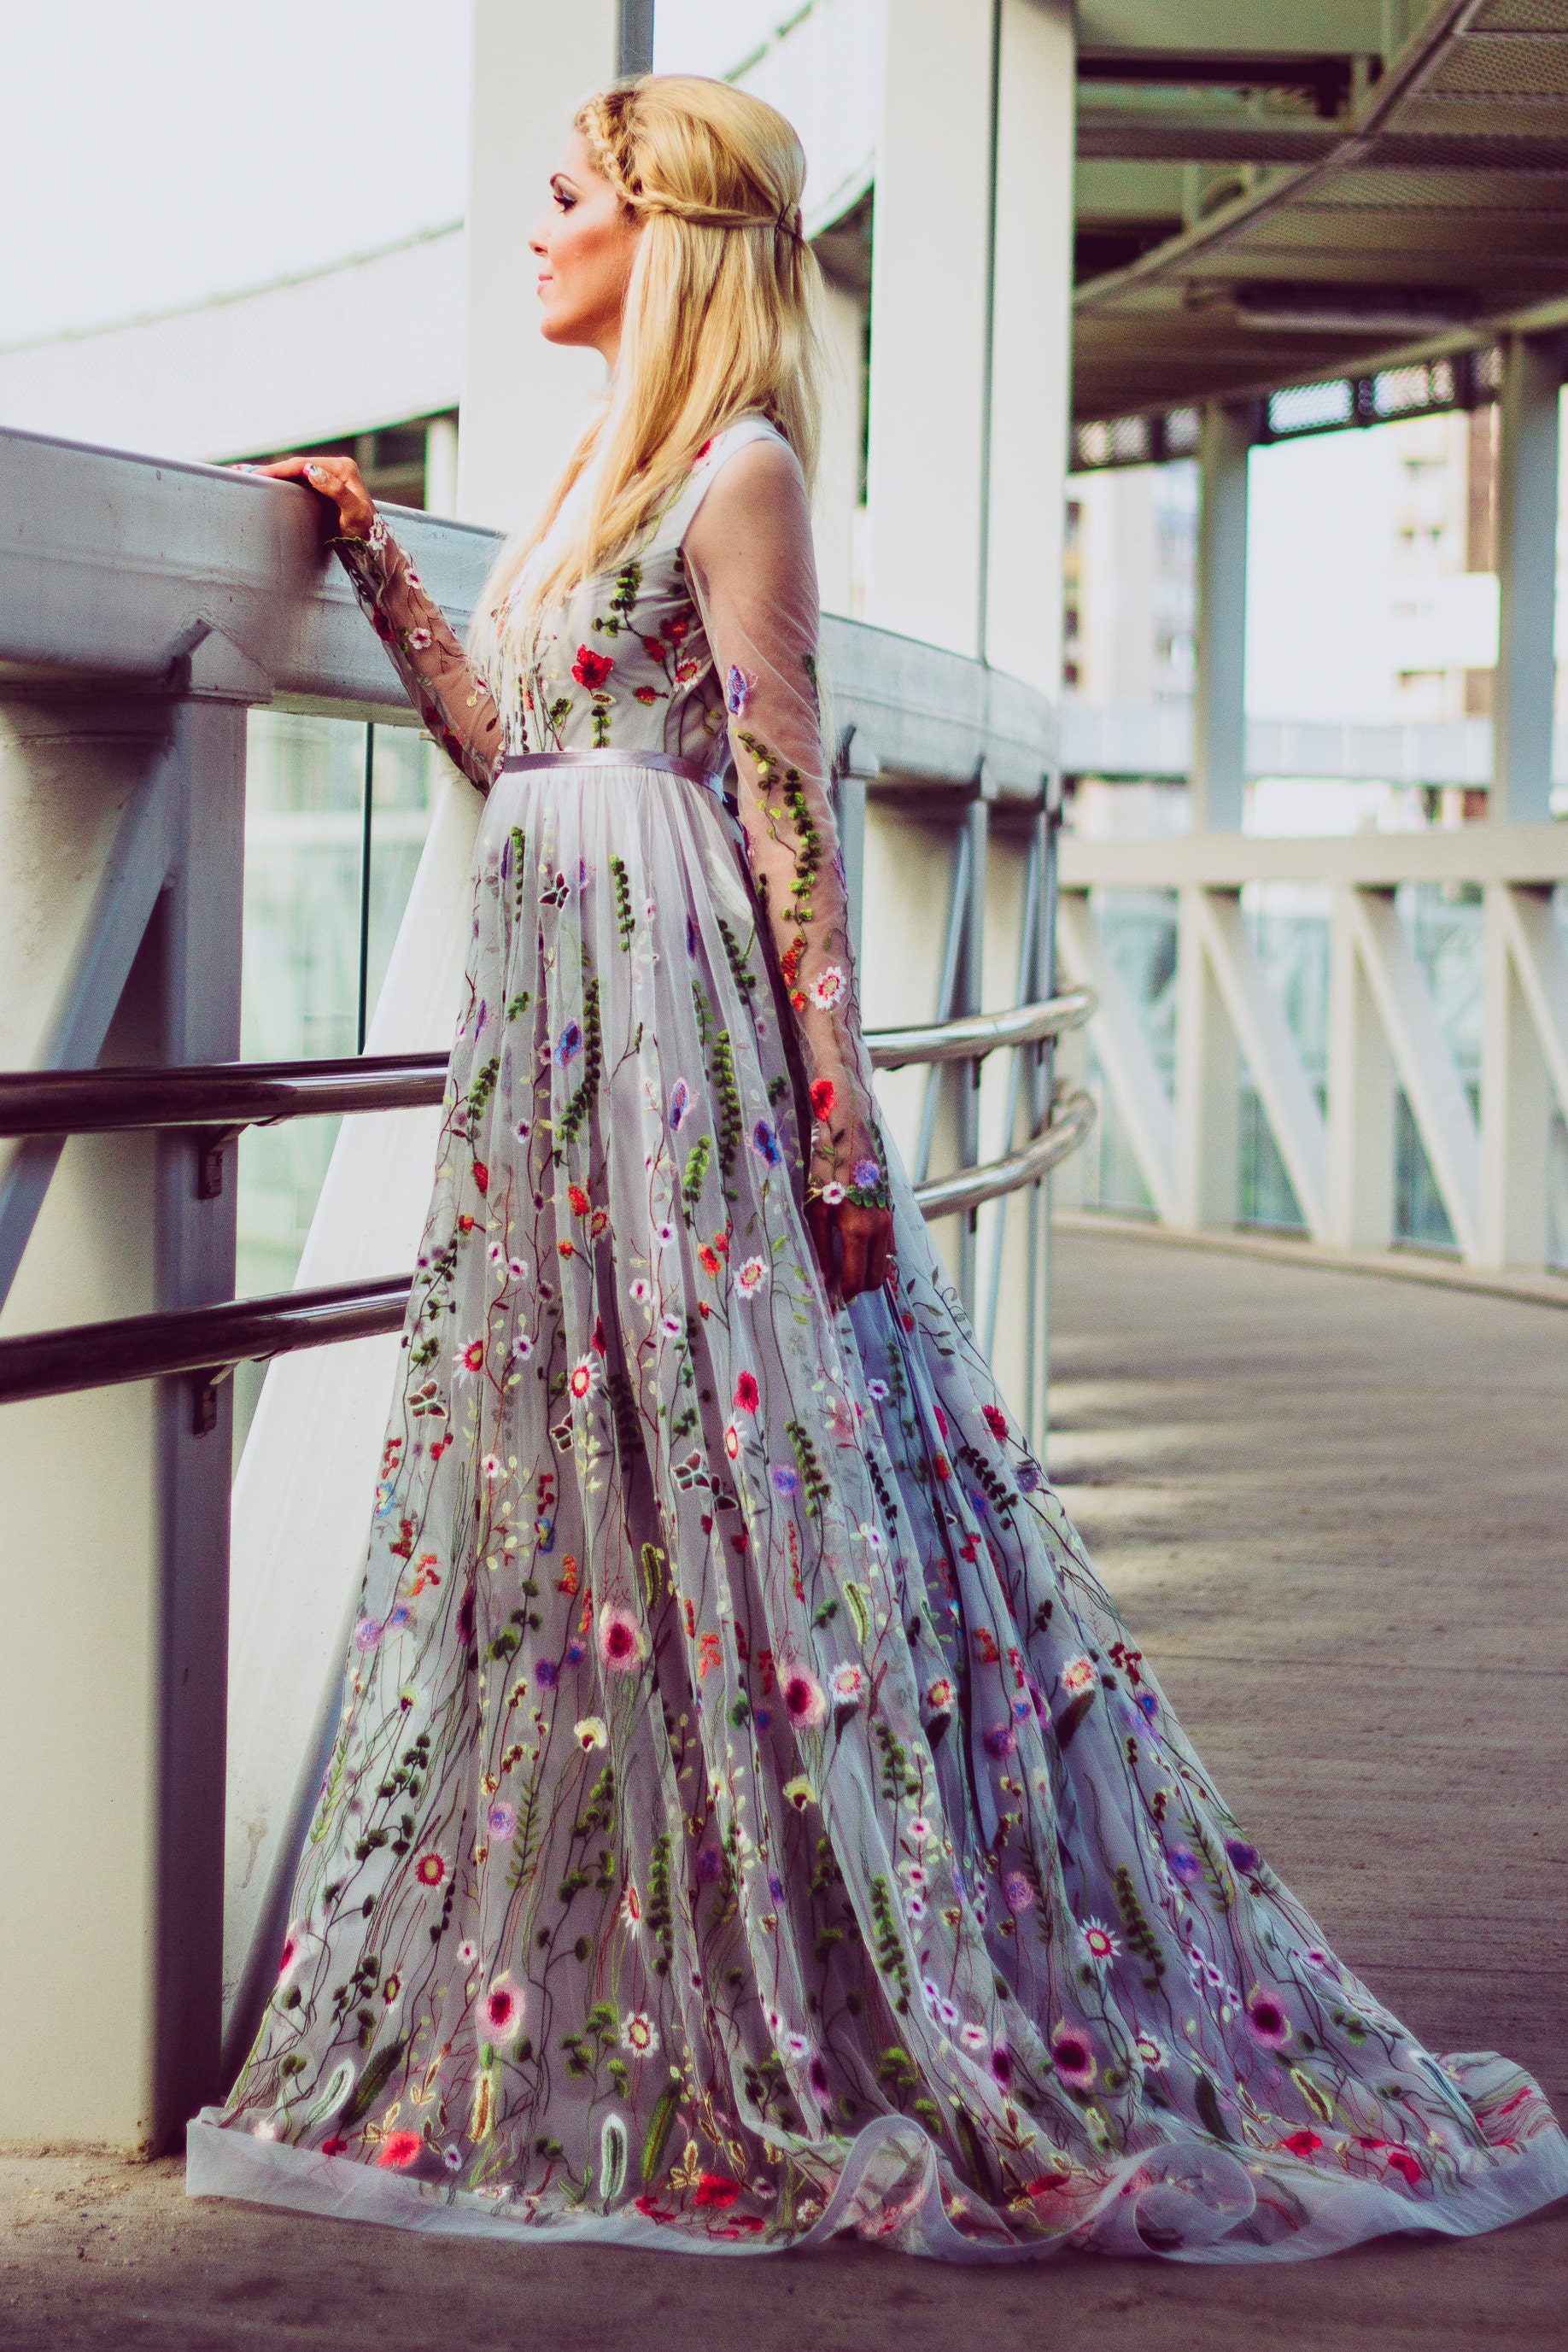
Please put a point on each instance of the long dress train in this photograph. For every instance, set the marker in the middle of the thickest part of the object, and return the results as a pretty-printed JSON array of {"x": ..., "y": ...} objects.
[{"x": 750, "y": 1817}]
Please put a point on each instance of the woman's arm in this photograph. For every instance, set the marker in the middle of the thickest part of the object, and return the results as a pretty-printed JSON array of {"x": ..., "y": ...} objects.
[
  {"x": 450, "y": 696},
  {"x": 749, "y": 558}
]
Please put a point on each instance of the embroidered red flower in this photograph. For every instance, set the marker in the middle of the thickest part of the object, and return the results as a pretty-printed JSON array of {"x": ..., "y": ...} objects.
[
  {"x": 747, "y": 1394},
  {"x": 712, "y": 2188},
  {"x": 1302, "y": 2142},
  {"x": 823, "y": 1095},
  {"x": 591, "y": 669},
  {"x": 579, "y": 1200},
  {"x": 995, "y": 1421},
  {"x": 335, "y": 2146},
  {"x": 481, "y": 1176},
  {"x": 399, "y": 2150}
]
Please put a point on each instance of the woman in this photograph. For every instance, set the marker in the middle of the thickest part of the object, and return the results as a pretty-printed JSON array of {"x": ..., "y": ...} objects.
[{"x": 749, "y": 1818}]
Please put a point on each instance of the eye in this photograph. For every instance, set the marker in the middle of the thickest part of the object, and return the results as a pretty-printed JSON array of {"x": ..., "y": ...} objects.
[{"x": 564, "y": 197}]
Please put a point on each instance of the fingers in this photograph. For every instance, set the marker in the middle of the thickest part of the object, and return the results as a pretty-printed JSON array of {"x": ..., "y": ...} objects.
[
  {"x": 819, "y": 1218},
  {"x": 865, "y": 1238},
  {"x": 335, "y": 478}
]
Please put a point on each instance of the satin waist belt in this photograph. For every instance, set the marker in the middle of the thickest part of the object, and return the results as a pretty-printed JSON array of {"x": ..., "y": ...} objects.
[{"x": 667, "y": 762}]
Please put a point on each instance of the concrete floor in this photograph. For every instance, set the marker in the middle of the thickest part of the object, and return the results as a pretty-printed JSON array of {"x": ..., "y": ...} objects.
[{"x": 1333, "y": 1509}]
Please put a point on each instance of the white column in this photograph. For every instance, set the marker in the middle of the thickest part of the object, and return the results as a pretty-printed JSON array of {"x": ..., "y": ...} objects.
[
  {"x": 1031, "y": 342},
  {"x": 837, "y": 499},
  {"x": 928, "y": 314},
  {"x": 1219, "y": 707},
  {"x": 1526, "y": 577},
  {"x": 524, "y": 402}
]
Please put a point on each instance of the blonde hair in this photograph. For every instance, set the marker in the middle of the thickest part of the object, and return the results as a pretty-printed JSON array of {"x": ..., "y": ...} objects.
[{"x": 721, "y": 318}]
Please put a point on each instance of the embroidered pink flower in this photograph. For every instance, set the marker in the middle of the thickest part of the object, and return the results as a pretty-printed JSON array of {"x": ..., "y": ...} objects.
[
  {"x": 399, "y": 2150},
  {"x": 500, "y": 2010},
  {"x": 804, "y": 1702},
  {"x": 622, "y": 1642}
]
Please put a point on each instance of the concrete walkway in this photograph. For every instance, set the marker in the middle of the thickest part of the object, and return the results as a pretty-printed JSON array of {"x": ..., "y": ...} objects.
[{"x": 1333, "y": 1509}]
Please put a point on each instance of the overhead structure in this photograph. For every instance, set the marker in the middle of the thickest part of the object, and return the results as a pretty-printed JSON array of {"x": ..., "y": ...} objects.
[{"x": 1270, "y": 193}]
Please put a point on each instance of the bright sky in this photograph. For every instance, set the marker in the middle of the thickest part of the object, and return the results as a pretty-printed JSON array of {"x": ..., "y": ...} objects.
[{"x": 156, "y": 153}]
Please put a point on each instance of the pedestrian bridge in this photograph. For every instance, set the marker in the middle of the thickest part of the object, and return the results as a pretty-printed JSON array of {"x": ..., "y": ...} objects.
[{"x": 1330, "y": 1505}]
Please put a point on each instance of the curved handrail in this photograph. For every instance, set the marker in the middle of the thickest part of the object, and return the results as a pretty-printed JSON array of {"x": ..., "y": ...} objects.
[
  {"x": 209, "y": 1340},
  {"x": 967, "y": 1039},
  {"x": 1072, "y": 1116}
]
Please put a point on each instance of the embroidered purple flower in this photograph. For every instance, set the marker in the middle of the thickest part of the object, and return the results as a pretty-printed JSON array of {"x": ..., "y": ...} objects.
[
  {"x": 765, "y": 1142},
  {"x": 737, "y": 691},
  {"x": 569, "y": 1044},
  {"x": 680, "y": 1103},
  {"x": 501, "y": 1822},
  {"x": 1245, "y": 1857},
  {"x": 710, "y": 1865},
  {"x": 368, "y": 1632},
  {"x": 1017, "y": 1891},
  {"x": 1074, "y": 2055},
  {"x": 1266, "y": 2022},
  {"x": 547, "y": 1674},
  {"x": 867, "y": 1173},
  {"x": 785, "y": 1479},
  {"x": 1185, "y": 1864},
  {"x": 691, "y": 940},
  {"x": 1001, "y": 1740}
]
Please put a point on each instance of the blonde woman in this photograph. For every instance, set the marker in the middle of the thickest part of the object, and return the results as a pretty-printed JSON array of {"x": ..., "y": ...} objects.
[{"x": 749, "y": 1817}]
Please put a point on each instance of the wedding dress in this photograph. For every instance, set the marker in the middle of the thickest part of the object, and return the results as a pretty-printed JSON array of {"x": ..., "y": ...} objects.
[{"x": 750, "y": 1817}]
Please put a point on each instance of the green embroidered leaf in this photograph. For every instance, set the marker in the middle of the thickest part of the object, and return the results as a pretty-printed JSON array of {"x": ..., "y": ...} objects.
[
  {"x": 1206, "y": 2100},
  {"x": 1068, "y": 1722},
  {"x": 372, "y": 2081},
  {"x": 658, "y": 2132}
]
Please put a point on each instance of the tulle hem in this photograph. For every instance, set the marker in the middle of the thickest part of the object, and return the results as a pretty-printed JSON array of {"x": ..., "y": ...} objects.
[{"x": 1189, "y": 2200}]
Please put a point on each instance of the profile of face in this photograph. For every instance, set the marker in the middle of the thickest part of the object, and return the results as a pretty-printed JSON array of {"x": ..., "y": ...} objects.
[{"x": 585, "y": 244}]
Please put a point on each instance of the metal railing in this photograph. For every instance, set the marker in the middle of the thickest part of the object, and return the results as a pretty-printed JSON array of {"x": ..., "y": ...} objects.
[{"x": 220, "y": 1100}]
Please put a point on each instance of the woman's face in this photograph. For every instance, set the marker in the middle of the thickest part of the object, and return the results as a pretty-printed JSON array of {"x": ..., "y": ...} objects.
[{"x": 586, "y": 244}]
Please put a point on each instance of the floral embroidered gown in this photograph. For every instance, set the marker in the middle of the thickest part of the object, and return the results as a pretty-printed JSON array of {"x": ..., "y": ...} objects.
[{"x": 750, "y": 1817}]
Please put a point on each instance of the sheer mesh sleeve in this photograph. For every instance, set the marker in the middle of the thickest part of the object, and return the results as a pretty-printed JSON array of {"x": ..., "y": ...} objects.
[
  {"x": 749, "y": 558},
  {"x": 450, "y": 696}
]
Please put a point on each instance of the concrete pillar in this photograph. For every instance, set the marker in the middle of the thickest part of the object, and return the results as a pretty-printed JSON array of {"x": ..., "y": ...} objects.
[
  {"x": 972, "y": 269},
  {"x": 1219, "y": 694},
  {"x": 524, "y": 402},
  {"x": 1526, "y": 577},
  {"x": 1031, "y": 342},
  {"x": 930, "y": 311},
  {"x": 114, "y": 1576}
]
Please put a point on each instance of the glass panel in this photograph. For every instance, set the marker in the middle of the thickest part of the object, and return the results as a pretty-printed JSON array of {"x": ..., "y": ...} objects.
[{"x": 304, "y": 848}]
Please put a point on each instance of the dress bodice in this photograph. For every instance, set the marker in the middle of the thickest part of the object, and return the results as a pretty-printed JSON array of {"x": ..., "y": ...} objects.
[
  {"x": 700, "y": 643},
  {"x": 626, "y": 664}
]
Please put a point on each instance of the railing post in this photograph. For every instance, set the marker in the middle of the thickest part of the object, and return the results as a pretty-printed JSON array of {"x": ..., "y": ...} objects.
[
  {"x": 1207, "y": 1074},
  {"x": 1359, "y": 1189},
  {"x": 1516, "y": 1092},
  {"x": 117, "y": 1511}
]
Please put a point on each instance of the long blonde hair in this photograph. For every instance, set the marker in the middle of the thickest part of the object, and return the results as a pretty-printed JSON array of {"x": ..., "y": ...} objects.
[{"x": 721, "y": 318}]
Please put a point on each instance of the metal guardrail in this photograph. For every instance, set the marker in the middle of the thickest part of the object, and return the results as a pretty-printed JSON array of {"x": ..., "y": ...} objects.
[{"x": 221, "y": 1098}]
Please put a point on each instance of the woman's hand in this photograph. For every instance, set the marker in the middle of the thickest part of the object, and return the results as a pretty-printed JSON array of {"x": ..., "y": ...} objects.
[
  {"x": 337, "y": 480},
  {"x": 852, "y": 1245}
]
